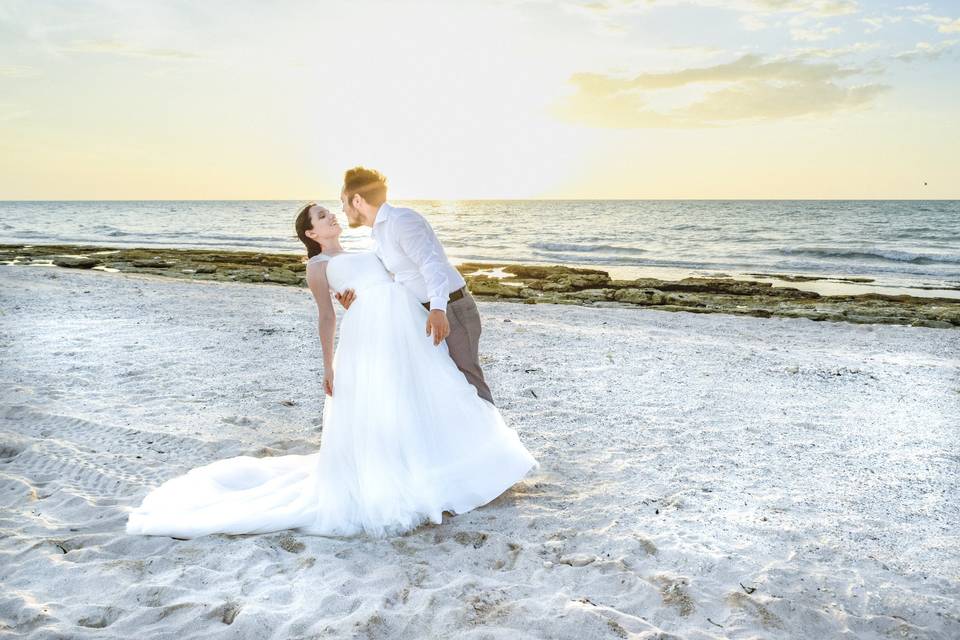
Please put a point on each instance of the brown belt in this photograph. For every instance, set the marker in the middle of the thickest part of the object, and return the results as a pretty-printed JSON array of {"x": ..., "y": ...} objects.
[{"x": 456, "y": 295}]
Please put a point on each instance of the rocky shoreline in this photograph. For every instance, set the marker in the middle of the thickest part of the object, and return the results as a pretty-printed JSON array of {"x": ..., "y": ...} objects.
[{"x": 529, "y": 284}]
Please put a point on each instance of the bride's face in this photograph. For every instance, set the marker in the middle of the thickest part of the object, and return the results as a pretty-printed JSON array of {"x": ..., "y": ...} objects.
[{"x": 325, "y": 225}]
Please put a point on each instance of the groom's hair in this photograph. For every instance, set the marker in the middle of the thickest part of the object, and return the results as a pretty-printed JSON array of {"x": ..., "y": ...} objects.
[{"x": 369, "y": 183}]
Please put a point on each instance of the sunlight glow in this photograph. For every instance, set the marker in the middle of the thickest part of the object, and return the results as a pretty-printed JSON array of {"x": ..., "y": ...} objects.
[{"x": 498, "y": 99}]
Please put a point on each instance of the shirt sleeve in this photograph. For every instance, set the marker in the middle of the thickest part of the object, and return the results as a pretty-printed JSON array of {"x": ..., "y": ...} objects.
[{"x": 416, "y": 238}]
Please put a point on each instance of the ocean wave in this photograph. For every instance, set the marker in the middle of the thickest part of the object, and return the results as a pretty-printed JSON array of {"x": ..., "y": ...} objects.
[
  {"x": 612, "y": 261},
  {"x": 585, "y": 248},
  {"x": 133, "y": 242},
  {"x": 889, "y": 255},
  {"x": 885, "y": 271},
  {"x": 693, "y": 226},
  {"x": 176, "y": 237}
]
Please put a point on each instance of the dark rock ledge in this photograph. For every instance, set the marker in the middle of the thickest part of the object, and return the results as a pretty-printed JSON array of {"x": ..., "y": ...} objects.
[{"x": 529, "y": 284}]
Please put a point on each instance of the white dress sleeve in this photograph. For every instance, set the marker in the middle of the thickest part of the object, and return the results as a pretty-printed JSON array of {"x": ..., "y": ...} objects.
[{"x": 318, "y": 258}]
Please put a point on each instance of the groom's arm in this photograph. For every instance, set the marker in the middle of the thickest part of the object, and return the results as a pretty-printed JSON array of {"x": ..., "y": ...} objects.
[{"x": 416, "y": 238}]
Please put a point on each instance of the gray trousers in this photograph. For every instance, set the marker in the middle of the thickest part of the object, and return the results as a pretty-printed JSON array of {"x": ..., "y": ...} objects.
[{"x": 464, "y": 341}]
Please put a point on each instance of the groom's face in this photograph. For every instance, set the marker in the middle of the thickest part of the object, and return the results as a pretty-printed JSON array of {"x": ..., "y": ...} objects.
[{"x": 353, "y": 216}]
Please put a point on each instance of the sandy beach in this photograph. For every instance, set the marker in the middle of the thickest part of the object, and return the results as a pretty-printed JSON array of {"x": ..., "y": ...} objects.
[{"x": 703, "y": 475}]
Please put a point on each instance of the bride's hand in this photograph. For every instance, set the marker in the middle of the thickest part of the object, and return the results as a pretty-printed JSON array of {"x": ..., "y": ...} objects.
[{"x": 328, "y": 382}]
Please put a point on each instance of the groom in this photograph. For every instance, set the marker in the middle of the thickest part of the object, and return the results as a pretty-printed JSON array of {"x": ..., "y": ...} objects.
[{"x": 408, "y": 247}]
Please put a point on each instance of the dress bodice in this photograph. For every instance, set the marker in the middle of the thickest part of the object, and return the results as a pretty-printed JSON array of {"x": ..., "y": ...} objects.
[{"x": 355, "y": 270}]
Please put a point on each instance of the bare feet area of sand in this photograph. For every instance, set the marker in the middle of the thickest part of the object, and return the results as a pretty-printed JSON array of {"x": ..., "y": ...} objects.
[{"x": 703, "y": 475}]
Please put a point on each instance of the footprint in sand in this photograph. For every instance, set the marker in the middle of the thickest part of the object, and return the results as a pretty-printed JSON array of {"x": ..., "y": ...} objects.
[
  {"x": 94, "y": 461},
  {"x": 243, "y": 421}
]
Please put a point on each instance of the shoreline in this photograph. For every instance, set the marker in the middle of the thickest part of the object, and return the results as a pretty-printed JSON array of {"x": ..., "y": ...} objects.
[
  {"x": 782, "y": 295},
  {"x": 822, "y": 282}
]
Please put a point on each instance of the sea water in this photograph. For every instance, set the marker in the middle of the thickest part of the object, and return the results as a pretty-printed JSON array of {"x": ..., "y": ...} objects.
[{"x": 893, "y": 243}]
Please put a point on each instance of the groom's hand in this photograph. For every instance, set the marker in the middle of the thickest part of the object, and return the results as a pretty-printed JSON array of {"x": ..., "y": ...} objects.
[
  {"x": 438, "y": 326},
  {"x": 346, "y": 298}
]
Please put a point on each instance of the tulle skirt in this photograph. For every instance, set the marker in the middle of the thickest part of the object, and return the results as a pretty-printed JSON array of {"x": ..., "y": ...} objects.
[{"x": 405, "y": 437}]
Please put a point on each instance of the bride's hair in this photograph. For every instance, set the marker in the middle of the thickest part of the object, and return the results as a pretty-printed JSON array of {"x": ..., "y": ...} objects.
[{"x": 303, "y": 223}]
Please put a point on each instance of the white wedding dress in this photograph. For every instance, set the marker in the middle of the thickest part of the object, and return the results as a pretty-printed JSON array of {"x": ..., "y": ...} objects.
[{"x": 405, "y": 437}]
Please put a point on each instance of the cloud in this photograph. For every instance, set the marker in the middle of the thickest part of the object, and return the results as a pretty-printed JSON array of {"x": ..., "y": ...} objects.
[
  {"x": 819, "y": 8},
  {"x": 814, "y": 35},
  {"x": 926, "y": 51},
  {"x": 117, "y": 47},
  {"x": 700, "y": 50},
  {"x": 753, "y": 15},
  {"x": 750, "y": 89},
  {"x": 944, "y": 24},
  {"x": 822, "y": 8},
  {"x": 751, "y": 22},
  {"x": 814, "y": 8},
  {"x": 17, "y": 71},
  {"x": 875, "y": 23},
  {"x": 753, "y": 10},
  {"x": 837, "y": 52},
  {"x": 12, "y": 112}
]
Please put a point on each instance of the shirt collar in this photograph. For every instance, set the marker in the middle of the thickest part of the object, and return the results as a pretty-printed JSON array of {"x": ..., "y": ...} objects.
[{"x": 382, "y": 213}]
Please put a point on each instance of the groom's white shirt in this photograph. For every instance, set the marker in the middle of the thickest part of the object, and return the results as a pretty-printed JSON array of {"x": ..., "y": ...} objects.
[{"x": 409, "y": 249}]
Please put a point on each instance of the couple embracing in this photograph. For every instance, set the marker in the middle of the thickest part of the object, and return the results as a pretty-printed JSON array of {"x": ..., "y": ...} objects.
[{"x": 409, "y": 425}]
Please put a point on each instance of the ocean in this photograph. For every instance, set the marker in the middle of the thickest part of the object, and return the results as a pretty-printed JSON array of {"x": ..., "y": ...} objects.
[{"x": 902, "y": 246}]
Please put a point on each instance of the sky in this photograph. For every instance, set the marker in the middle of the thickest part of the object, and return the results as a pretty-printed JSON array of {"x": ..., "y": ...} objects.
[{"x": 778, "y": 99}]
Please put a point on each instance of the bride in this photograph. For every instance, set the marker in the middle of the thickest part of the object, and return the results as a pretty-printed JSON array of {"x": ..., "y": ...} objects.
[{"x": 405, "y": 435}]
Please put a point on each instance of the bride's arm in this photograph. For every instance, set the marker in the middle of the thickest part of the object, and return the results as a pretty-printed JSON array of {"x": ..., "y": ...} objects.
[{"x": 327, "y": 317}]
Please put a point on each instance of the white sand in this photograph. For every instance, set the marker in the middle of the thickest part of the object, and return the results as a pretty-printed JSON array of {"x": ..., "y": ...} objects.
[{"x": 684, "y": 455}]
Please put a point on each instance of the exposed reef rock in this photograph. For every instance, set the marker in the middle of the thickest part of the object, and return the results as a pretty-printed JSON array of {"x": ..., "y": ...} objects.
[
  {"x": 528, "y": 284},
  {"x": 75, "y": 262}
]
